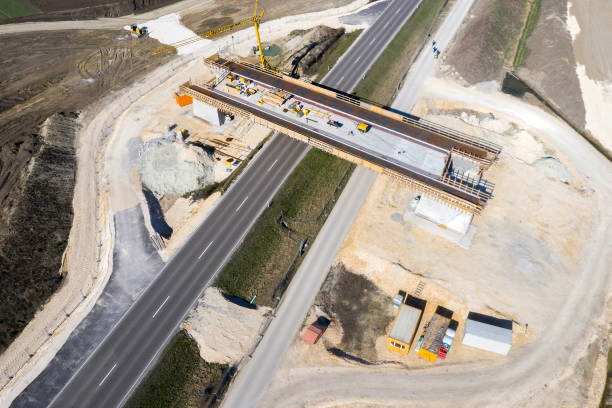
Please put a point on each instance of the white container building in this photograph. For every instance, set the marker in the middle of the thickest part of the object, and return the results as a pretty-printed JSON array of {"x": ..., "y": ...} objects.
[{"x": 488, "y": 333}]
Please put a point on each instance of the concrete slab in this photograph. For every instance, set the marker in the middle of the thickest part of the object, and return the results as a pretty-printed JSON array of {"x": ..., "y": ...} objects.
[
  {"x": 443, "y": 214},
  {"x": 208, "y": 113}
]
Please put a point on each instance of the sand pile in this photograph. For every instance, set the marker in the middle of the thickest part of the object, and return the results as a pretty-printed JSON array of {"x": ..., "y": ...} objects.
[
  {"x": 169, "y": 166},
  {"x": 224, "y": 331}
]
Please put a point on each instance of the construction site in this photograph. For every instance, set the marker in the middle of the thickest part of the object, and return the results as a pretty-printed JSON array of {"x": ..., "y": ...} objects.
[
  {"x": 433, "y": 249},
  {"x": 441, "y": 163}
]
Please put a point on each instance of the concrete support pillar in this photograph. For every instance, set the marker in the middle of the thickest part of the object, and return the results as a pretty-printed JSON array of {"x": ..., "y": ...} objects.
[{"x": 209, "y": 113}]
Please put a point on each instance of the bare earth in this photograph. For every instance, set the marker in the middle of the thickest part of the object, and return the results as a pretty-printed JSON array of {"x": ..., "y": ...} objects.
[
  {"x": 540, "y": 256},
  {"x": 589, "y": 25},
  {"x": 551, "y": 61}
]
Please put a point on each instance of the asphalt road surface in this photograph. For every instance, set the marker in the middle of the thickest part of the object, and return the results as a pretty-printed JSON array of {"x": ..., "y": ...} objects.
[
  {"x": 356, "y": 61},
  {"x": 115, "y": 368}
]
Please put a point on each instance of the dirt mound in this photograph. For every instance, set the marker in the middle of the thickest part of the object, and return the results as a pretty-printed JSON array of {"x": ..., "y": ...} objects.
[
  {"x": 362, "y": 309},
  {"x": 224, "y": 331},
  {"x": 310, "y": 48},
  {"x": 35, "y": 235},
  {"x": 169, "y": 167}
]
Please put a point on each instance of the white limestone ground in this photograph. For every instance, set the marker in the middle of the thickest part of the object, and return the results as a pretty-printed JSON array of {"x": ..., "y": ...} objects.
[
  {"x": 168, "y": 30},
  {"x": 174, "y": 167},
  {"x": 223, "y": 330}
]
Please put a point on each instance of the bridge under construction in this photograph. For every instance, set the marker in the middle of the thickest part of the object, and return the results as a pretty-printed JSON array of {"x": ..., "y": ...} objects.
[{"x": 434, "y": 160}]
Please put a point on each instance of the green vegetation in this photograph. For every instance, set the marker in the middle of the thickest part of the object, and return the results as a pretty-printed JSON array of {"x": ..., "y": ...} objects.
[
  {"x": 271, "y": 50},
  {"x": 180, "y": 379},
  {"x": 333, "y": 54},
  {"x": 384, "y": 76},
  {"x": 269, "y": 253},
  {"x": 522, "y": 52},
  {"x": 606, "y": 398},
  {"x": 16, "y": 8}
]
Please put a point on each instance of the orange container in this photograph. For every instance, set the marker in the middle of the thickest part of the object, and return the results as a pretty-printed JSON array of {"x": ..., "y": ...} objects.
[{"x": 183, "y": 100}]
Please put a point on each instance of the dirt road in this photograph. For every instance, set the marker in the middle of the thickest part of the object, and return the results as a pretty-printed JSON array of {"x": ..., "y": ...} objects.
[
  {"x": 534, "y": 373},
  {"x": 104, "y": 23}
]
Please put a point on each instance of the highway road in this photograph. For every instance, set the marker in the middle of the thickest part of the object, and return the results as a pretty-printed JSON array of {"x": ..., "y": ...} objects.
[
  {"x": 115, "y": 368},
  {"x": 254, "y": 378}
]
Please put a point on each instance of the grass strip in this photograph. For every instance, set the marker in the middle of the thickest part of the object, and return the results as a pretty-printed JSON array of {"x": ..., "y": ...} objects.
[
  {"x": 333, "y": 54},
  {"x": 16, "y": 8},
  {"x": 297, "y": 212},
  {"x": 180, "y": 379},
  {"x": 522, "y": 51},
  {"x": 606, "y": 397},
  {"x": 386, "y": 73}
]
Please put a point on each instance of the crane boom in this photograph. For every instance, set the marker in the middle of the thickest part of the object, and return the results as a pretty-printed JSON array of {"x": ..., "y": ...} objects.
[
  {"x": 200, "y": 36},
  {"x": 255, "y": 20}
]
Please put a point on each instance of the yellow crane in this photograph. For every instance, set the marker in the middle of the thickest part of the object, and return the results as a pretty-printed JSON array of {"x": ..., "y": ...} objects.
[{"x": 255, "y": 20}]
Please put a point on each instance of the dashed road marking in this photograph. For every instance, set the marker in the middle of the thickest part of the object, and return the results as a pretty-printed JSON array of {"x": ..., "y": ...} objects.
[
  {"x": 241, "y": 204},
  {"x": 159, "y": 308},
  {"x": 270, "y": 168},
  {"x": 107, "y": 374},
  {"x": 205, "y": 249}
]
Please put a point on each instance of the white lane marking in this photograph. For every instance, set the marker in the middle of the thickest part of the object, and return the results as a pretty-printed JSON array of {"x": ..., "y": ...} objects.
[
  {"x": 107, "y": 374},
  {"x": 385, "y": 26},
  {"x": 372, "y": 42},
  {"x": 357, "y": 59},
  {"x": 243, "y": 201},
  {"x": 342, "y": 78},
  {"x": 205, "y": 249},
  {"x": 159, "y": 308},
  {"x": 270, "y": 168}
]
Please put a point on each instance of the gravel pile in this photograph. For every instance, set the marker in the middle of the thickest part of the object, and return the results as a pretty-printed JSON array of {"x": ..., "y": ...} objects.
[{"x": 169, "y": 166}]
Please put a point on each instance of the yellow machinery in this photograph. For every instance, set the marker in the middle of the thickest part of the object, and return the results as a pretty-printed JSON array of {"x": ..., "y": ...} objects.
[
  {"x": 363, "y": 127},
  {"x": 255, "y": 20},
  {"x": 140, "y": 32}
]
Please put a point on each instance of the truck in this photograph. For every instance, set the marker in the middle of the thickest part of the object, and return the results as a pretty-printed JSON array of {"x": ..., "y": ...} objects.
[{"x": 314, "y": 332}]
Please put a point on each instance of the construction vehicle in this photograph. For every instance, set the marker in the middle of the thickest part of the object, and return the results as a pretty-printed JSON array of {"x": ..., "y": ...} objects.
[
  {"x": 140, "y": 32},
  {"x": 363, "y": 127},
  {"x": 255, "y": 20},
  {"x": 334, "y": 123},
  {"x": 316, "y": 330}
]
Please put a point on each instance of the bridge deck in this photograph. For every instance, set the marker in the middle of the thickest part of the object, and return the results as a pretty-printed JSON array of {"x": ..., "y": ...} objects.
[
  {"x": 398, "y": 145},
  {"x": 408, "y": 126}
]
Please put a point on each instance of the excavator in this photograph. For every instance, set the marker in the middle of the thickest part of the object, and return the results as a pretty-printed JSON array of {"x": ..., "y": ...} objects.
[
  {"x": 255, "y": 20},
  {"x": 140, "y": 32}
]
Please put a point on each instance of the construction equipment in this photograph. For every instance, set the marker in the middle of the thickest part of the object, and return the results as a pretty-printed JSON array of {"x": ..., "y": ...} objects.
[
  {"x": 334, "y": 123},
  {"x": 363, "y": 127},
  {"x": 139, "y": 31},
  {"x": 255, "y": 20}
]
